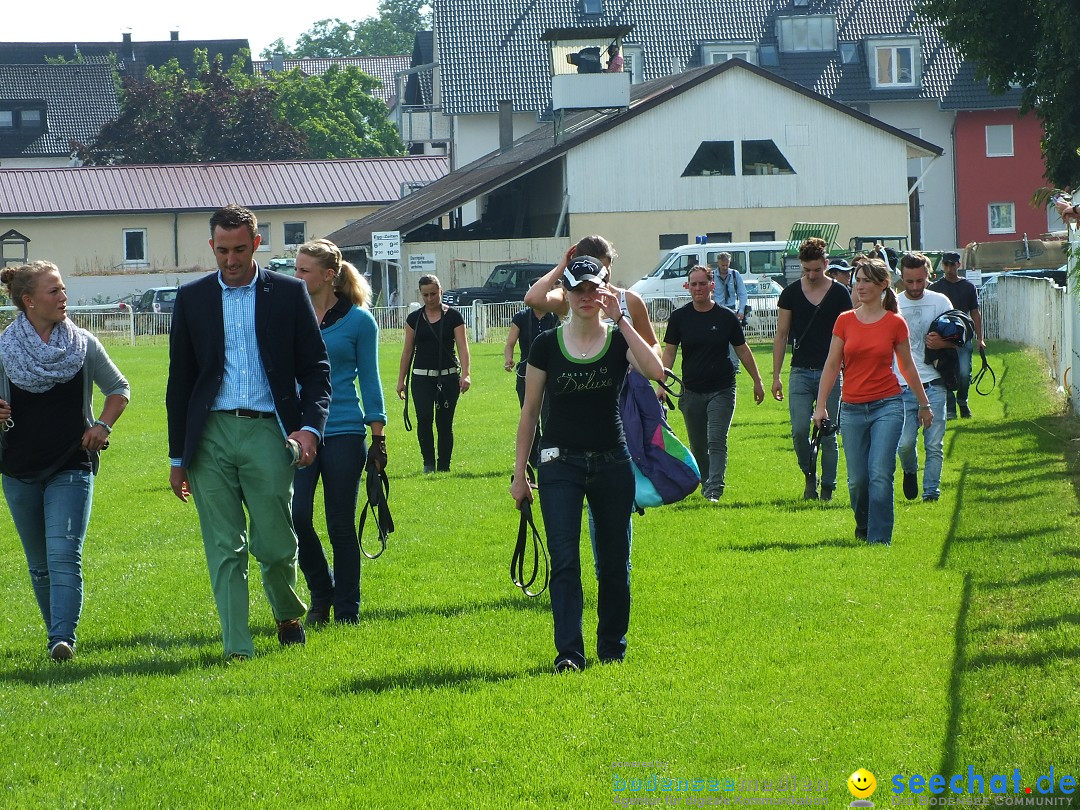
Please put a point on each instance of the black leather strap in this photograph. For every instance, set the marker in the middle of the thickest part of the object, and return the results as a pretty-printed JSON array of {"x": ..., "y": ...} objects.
[
  {"x": 527, "y": 530},
  {"x": 977, "y": 378},
  {"x": 378, "y": 494}
]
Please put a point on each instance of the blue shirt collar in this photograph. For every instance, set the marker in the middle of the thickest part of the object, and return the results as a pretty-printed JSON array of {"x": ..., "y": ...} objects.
[{"x": 248, "y": 286}]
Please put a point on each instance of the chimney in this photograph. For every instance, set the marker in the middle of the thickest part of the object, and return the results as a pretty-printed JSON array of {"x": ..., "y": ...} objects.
[
  {"x": 128, "y": 48},
  {"x": 174, "y": 36},
  {"x": 277, "y": 62},
  {"x": 506, "y": 125}
]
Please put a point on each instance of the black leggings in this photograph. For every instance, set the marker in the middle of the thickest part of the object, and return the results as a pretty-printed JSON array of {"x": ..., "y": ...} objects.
[{"x": 435, "y": 400}]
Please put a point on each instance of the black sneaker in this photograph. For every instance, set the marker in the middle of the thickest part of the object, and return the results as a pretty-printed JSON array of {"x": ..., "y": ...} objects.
[
  {"x": 810, "y": 492},
  {"x": 826, "y": 492},
  {"x": 950, "y": 415},
  {"x": 291, "y": 632},
  {"x": 860, "y": 534},
  {"x": 61, "y": 651},
  {"x": 911, "y": 486},
  {"x": 317, "y": 615},
  {"x": 566, "y": 665},
  {"x": 965, "y": 411},
  {"x": 930, "y": 498}
]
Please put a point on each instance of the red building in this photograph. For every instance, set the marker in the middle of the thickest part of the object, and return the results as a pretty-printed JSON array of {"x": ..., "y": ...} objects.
[{"x": 998, "y": 167}]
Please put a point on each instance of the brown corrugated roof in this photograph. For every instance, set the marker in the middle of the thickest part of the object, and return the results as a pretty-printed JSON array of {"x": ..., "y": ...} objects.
[{"x": 206, "y": 186}]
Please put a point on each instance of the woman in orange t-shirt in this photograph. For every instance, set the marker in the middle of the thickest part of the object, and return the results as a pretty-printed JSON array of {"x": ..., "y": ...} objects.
[{"x": 865, "y": 340}]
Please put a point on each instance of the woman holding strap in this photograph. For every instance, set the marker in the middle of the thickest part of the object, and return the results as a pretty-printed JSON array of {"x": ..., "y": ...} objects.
[
  {"x": 580, "y": 367},
  {"x": 866, "y": 340},
  {"x": 434, "y": 331},
  {"x": 51, "y": 439},
  {"x": 340, "y": 296}
]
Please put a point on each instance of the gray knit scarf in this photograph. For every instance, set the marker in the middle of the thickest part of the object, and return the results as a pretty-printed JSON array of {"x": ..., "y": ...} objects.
[{"x": 36, "y": 366}]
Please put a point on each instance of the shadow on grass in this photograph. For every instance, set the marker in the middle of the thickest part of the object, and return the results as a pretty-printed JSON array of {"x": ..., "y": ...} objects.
[
  {"x": 956, "y": 703},
  {"x": 957, "y": 507},
  {"x": 810, "y": 546},
  {"x": 85, "y": 668},
  {"x": 512, "y": 602},
  {"x": 424, "y": 678}
]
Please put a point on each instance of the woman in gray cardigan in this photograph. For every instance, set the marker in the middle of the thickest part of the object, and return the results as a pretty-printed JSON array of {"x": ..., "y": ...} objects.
[{"x": 50, "y": 439}]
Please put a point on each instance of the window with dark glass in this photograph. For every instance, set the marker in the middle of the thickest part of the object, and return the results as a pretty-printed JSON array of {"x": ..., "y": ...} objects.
[
  {"x": 763, "y": 157},
  {"x": 712, "y": 158},
  {"x": 669, "y": 241}
]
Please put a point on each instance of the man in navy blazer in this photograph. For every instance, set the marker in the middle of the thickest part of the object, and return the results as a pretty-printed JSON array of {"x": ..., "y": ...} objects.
[{"x": 247, "y": 371}]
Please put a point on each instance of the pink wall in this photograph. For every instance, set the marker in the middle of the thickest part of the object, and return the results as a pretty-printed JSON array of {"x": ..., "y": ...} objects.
[{"x": 981, "y": 180}]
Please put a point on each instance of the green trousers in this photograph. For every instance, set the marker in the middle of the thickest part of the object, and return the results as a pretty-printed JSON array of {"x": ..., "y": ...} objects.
[{"x": 244, "y": 462}]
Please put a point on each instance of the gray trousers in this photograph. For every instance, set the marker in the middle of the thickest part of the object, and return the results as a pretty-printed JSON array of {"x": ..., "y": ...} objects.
[{"x": 708, "y": 418}]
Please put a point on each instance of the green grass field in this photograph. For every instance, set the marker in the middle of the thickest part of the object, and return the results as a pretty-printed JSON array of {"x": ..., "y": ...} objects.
[{"x": 764, "y": 641}]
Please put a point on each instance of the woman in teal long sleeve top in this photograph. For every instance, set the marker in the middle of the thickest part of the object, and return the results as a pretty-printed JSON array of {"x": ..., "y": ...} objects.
[{"x": 339, "y": 295}]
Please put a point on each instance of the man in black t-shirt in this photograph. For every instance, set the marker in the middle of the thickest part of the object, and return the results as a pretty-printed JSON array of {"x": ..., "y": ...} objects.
[
  {"x": 808, "y": 308},
  {"x": 965, "y": 297},
  {"x": 707, "y": 331}
]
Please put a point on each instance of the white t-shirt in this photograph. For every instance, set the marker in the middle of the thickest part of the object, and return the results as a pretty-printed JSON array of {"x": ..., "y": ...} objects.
[{"x": 919, "y": 315}]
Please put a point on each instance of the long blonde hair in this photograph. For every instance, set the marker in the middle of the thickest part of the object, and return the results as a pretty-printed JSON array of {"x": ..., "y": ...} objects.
[
  {"x": 877, "y": 271},
  {"x": 347, "y": 281}
]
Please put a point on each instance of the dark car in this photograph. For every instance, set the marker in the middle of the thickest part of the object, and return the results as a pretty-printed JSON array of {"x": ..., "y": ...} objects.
[
  {"x": 507, "y": 282},
  {"x": 158, "y": 300}
]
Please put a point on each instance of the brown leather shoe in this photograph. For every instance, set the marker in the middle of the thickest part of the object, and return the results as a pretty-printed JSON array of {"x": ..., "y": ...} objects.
[{"x": 291, "y": 632}]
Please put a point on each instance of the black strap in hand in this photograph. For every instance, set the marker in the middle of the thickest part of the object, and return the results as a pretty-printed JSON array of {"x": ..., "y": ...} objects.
[
  {"x": 378, "y": 494},
  {"x": 527, "y": 528},
  {"x": 977, "y": 378}
]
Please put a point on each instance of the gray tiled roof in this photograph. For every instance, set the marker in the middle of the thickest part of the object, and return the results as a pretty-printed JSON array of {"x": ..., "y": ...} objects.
[
  {"x": 538, "y": 148},
  {"x": 79, "y": 99},
  {"x": 132, "y": 57},
  {"x": 383, "y": 68},
  {"x": 491, "y": 51}
]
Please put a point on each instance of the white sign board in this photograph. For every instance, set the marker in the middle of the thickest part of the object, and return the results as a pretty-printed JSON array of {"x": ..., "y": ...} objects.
[
  {"x": 423, "y": 263},
  {"x": 385, "y": 245}
]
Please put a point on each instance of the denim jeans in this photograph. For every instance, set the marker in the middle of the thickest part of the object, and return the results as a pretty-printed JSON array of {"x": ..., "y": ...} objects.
[
  {"x": 871, "y": 437},
  {"x": 963, "y": 374},
  {"x": 545, "y": 409},
  {"x": 708, "y": 418},
  {"x": 435, "y": 400},
  {"x": 339, "y": 462},
  {"x": 606, "y": 481},
  {"x": 802, "y": 397},
  {"x": 51, "y": 518},
  {"x": 933, "y": 438}
]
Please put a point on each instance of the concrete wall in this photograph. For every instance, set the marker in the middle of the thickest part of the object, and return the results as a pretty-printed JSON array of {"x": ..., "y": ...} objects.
[{"x": 93, "y": 243}]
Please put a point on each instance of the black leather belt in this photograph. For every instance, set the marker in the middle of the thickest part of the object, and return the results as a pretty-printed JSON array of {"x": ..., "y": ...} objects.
[
  {"x": 926, "y": 386},
  {"x": 244, "y": 413}
]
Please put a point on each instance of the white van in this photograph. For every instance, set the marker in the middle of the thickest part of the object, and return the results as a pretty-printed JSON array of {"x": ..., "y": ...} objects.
[{"x": 663, "y": 287}]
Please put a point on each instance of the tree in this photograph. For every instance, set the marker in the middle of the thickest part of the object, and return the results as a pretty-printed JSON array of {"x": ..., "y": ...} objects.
[
  {"x": 390, "y": 33},
  {"x": 218, "y": 115},
  {"x": 337, "y": 113},
  {"x": 1034, "y": 44}
]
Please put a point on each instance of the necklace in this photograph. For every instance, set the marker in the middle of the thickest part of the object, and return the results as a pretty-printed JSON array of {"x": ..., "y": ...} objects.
[{"x": 589, "y": 346}]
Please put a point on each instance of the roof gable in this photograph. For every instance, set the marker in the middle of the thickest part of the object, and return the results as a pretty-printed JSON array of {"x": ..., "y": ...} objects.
[
  {"x": 132, "y": 57},
  {"x": 383, "y": 68}
]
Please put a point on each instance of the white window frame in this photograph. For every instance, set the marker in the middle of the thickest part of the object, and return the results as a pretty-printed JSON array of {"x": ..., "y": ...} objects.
[
  {"x": 264, "y": 232},
  {"x": 1003, "y": 206},
  {"x": 145, "y": 260},
  {"x": 998, "y": 150},
  {"x": 713, "y": 53},
  {"x": 634, "y": 62},
  {"x": 895, "y": 46},
  {"x": 798, "y": 34}
]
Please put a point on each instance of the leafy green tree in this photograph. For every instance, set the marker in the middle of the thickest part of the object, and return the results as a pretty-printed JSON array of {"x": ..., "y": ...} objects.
[
  {"x": 337, "y": 113},
  {"x": 217, "y": 115},
  {"x": 1034, "y": 43},
  {"x": 390, "y": 33}
]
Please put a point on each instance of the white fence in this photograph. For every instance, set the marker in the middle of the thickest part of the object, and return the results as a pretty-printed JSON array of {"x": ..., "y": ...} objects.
[{"x": 1038, "y": 313}]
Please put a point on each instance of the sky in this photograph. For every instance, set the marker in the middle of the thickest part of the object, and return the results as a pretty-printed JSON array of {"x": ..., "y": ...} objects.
[{"x": 71, "y": 21}]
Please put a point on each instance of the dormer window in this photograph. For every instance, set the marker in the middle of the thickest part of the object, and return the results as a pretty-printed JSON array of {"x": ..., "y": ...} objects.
[
  {"x": 849, "y": 53},
  {"x": 812, "y": 32},
  {"x": 592, "y": 7},
  {"x": 18, "y": 116},
  {"x": 714, "y": 53},
  {"x": 30, "y": 119},
  {"x": 895, "y": 63},
  {"x": 7, "y": 119}
]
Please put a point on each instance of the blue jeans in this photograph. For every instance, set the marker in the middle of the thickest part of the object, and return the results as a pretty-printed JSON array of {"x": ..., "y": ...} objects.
[
  {"x": 606, "y": 481},
  {"x": 51, "y": 518},
  {"x": 963, "y": 374},
  {"x": 340, "y": 462},
  {"x": 933, "y": 438},
  {"x": 802, "y": 398},
  {"x": 708, "y": 419},
  {"x": 871, "y": 437}
]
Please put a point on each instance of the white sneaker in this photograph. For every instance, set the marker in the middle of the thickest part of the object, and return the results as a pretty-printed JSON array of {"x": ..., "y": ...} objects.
[{"x": 61, "y": 651}]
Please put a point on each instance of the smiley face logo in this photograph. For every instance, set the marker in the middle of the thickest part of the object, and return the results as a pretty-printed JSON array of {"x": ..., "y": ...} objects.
[{"x": 862, "y": 784}]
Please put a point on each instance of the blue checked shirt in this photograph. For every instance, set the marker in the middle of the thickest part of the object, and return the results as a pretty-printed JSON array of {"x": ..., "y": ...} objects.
[{"x": 245, "y": 384}]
